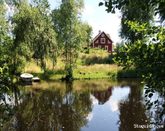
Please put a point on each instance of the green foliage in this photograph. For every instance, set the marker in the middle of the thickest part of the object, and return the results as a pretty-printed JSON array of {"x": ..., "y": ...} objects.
[
  {"x": 86, "y": 35},
  {"x": 25, "y": 35},
  {"x": 145, "y": 51},
  {"x": 34, "y": 32},
  {"x": 135, "y": 10},
  {"x": 5, "y": 43},
  {"x": 159, "y": 7},
  {"x": 147, "y": 55},
  {"x": 5, "y": 64},
  {"x": 29, "y": 34},
  {"x": 145, "y": 45},
  {"x": 128, "y": 73},
  {"x": 71, "y": 32},
  {"x": 145, "y": 5}
]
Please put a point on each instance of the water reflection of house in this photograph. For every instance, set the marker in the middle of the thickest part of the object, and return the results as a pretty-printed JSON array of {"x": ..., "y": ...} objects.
[{"x": 103, "y": 96}]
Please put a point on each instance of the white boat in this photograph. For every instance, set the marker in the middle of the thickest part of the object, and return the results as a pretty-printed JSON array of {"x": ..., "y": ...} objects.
[
  {"x": 26, "y": 77},
  {"x": 36, "y": 79}
]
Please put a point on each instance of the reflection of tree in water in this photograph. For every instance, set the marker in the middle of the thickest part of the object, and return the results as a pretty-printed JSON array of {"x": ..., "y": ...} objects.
[
  {"x": 8, "y": 101},
  {"x": 132, "y": 111},
  {"x": 103, "y": 95},
  {"x": 52, "y": 110},
  {"x": 155, "y": 105}
]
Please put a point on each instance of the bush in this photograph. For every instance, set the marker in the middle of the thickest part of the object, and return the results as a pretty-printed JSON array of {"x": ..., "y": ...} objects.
[
  {"x": 129, "y": 73},
  {"x": 97, "y": 56}
]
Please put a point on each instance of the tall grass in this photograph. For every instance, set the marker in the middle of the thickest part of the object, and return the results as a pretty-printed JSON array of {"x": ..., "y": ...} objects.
[
  {"x": 96, "y": 71},
  {"x": 97, "y": 64},
  {"x": 96, "y": 56},
  {"x": 32, "y": 67}
]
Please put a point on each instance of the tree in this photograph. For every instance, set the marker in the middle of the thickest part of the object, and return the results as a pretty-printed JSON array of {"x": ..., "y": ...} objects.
[
  {"x": 5, "y": 63},
  {"x": 144, "y": 53},
  {"x": 67, "y": 25},
  {"x": 5, "y": 43},
  {"x": 86, "y": 33},
  {"x": 158, "y": 6},
  {"x": 34, "y": 32},
  {"x": 132, "y": 10}
]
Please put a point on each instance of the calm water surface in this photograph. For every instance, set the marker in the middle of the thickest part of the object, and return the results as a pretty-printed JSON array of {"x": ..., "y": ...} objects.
[{"x": 100, "y": 105}]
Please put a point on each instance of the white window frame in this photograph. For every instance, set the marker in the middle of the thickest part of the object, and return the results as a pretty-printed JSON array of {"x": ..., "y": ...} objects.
[{"x": 102, "y": 40}]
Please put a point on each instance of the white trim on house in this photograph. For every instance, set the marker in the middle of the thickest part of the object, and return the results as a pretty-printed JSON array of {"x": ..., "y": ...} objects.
[
  {"x": 100, "y": 34},
  {"x": 102, "y": 40}
]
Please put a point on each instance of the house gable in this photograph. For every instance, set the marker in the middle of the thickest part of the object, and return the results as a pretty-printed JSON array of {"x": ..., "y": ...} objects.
[{"x": 102, "y": 35}]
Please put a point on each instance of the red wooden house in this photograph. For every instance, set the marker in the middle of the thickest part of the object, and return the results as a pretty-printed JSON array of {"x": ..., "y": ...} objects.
[{"x": 103, "y": 41}]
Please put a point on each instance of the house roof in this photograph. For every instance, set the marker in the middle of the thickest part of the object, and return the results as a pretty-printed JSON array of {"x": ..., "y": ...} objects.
[{"x": 108, "y": 36}]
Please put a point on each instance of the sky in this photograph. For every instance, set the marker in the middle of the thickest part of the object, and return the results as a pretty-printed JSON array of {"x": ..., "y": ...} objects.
[{"x": 98, "y": 18}]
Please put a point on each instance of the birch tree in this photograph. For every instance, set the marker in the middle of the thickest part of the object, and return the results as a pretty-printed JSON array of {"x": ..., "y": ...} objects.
[{"x": 67, "y": 25}]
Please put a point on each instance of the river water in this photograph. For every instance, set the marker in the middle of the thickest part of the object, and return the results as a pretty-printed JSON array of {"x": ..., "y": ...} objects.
[{"x": 88, "y": 105}]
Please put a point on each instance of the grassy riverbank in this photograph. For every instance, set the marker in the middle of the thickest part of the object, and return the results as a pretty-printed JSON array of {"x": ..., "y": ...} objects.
[
  {"x": 97, "y": 71},
  {"x": 98, "y": 64}
]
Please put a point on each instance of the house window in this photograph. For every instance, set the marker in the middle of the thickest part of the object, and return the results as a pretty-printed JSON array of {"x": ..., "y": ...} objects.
[
  {"x": 102, "y": 40},
  {"x": 106, "y": 47}
]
